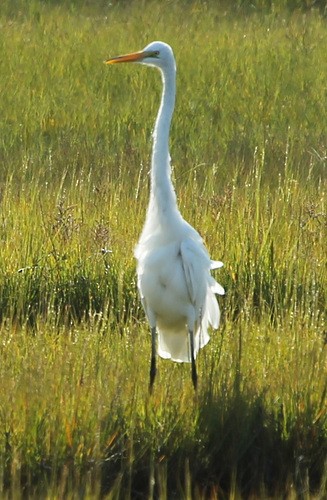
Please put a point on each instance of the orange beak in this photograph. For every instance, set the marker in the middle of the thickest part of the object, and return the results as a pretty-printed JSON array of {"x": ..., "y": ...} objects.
[{"x": 133, "y": 57}]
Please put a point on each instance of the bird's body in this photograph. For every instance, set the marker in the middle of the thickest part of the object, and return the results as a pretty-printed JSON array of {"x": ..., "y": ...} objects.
[
  {"x": 174, "y": 278},
  {"x": 175, "y": 284}
]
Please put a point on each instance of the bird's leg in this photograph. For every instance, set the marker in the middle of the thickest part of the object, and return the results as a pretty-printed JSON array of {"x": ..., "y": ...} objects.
[
  {"x": 153, "y": 368},
  {"x": 194, "y": 374}
]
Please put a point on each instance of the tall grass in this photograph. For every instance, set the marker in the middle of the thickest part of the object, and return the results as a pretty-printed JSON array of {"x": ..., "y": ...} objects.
[{"x": 249, "y": 152}]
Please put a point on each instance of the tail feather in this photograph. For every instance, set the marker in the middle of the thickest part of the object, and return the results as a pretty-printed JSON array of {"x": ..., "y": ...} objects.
[{"x": 175, "y": 345}]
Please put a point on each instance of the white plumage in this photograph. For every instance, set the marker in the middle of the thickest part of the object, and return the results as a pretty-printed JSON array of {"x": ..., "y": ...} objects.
[{"x": 174, "y": 267}]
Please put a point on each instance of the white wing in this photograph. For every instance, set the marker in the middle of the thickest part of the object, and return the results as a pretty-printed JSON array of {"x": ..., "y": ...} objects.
[{"x": 196, "y": 265}]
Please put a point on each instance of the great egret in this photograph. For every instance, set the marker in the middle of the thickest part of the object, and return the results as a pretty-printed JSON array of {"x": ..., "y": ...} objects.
[{"x": 174, "y": 280}]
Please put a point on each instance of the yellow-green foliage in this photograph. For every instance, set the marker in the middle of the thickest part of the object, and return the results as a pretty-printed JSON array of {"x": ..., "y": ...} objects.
[{"x": 248, "y": 144}]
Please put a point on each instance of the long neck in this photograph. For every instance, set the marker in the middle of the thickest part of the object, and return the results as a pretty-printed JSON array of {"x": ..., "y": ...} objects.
[{"x": 163, "y": 196}]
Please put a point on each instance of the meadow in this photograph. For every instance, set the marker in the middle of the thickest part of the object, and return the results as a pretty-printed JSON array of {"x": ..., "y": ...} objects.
[{"x": 248, "y": 147}]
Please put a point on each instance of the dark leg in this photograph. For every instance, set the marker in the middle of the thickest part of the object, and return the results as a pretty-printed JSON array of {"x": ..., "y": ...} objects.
[
  {"x": 153, "y": 368},
  {"x": 194, "y": 374}
]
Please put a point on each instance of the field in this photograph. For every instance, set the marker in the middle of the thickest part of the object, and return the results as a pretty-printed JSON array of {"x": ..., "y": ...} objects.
[{"x": 248, "y": 147}]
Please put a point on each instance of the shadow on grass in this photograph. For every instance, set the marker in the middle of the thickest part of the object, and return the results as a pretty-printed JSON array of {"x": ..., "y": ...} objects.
[{"x": 237, "y": 447}]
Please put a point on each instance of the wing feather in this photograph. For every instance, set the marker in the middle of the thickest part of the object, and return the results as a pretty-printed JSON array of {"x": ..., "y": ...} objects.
[{"x": 196, "y": 265}]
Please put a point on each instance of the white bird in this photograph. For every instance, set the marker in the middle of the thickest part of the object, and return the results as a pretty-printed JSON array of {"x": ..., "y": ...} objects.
[{"x": 173, "y": 265}]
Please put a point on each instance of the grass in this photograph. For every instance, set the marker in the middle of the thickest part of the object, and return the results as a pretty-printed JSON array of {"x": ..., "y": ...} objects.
[{"x": 249, "y": 152}]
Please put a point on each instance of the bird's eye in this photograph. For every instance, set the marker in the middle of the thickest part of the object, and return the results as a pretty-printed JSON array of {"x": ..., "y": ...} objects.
[{"x": 156, "y": 53}]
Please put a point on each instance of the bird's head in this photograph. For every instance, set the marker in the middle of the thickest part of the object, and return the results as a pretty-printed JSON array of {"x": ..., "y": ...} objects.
[{"x": 157, "y": 54}]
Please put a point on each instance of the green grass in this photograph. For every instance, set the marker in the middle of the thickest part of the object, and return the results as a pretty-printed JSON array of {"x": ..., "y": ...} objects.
[{"x": 248, "y": 144}]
